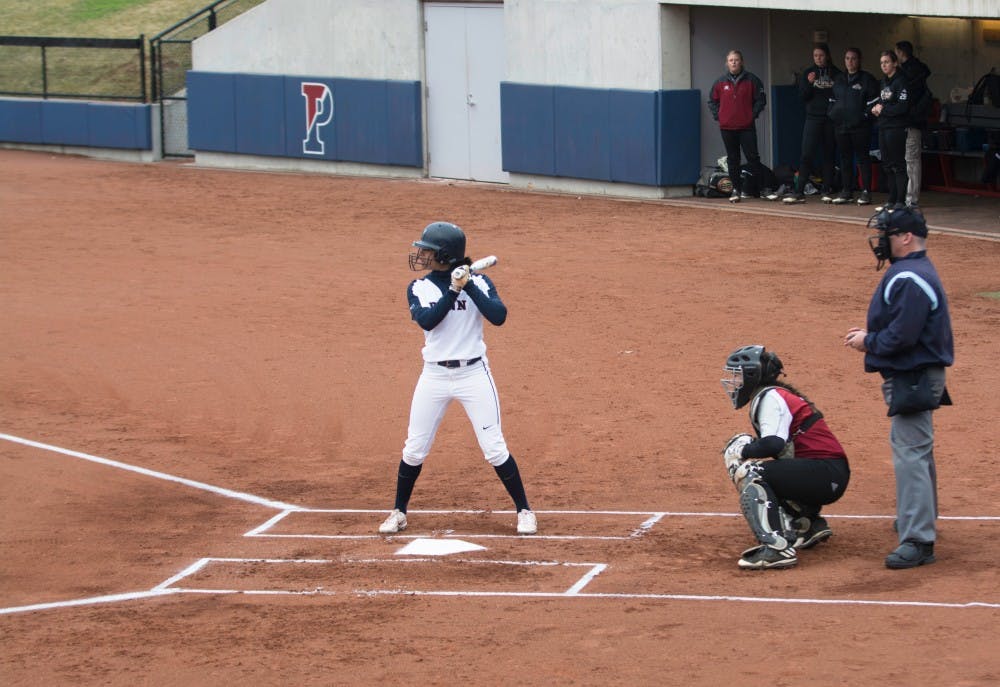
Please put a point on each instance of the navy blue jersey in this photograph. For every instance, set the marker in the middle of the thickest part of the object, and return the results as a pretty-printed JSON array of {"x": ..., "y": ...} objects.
[{"x": 909, "y": 326}]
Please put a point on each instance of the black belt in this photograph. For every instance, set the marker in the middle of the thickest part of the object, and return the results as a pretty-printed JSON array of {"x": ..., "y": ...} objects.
[{"x": 459, "y": 363}]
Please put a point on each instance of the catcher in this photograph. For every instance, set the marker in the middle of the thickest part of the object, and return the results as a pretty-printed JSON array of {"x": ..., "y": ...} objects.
[{"x": 793, "y": 467}]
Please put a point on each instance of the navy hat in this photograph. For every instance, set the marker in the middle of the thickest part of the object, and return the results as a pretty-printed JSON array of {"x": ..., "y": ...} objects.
[{"x": 903, "y": 221}]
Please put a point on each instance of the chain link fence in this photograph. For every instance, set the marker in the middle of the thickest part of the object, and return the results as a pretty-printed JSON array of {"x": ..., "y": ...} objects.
[{"x": 170, "y": 58}]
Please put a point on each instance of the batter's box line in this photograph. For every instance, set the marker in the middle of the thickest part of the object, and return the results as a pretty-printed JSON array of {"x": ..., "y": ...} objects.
[
  {"x": 167, "y": 588},
  {"x": 651, "y": 519},
  {"x": 575, "y": 591},
  {"x": 168, "y": 585}
]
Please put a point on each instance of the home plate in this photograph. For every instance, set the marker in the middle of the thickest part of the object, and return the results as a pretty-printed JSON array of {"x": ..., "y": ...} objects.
[{"x": 437, "y": 547}]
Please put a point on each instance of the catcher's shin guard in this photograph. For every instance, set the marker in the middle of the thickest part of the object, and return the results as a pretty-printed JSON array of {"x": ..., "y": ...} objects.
[{"x": 766, "y": 519}]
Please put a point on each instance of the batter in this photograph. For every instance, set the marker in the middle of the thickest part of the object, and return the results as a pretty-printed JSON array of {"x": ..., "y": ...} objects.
[{"x": 449, "y": 303}]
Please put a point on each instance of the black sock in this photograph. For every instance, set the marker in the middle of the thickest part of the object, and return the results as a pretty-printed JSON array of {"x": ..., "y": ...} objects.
[
  {"x": 405, "y": 480},
  {"x": 511, "y": 477}
]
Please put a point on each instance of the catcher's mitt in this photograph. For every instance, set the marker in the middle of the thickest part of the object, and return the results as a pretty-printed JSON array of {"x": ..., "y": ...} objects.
[{"x": 732, "y": 454}]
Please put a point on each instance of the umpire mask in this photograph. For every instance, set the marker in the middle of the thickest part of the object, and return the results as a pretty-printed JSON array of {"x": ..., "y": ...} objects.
[
  {"x": 879, "y": 243},
  {"x": 889, "y": 223}
]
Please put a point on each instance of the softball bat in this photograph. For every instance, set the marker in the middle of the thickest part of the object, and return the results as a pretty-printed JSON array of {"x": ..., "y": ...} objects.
[{"x": 483, "y": 263}]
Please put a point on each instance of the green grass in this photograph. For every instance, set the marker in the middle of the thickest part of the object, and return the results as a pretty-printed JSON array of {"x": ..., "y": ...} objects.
[
  {"x": 995, "y": 295},
  {"x": 93, "y": 18},
  {"x": 95, "y": 72},
  {"x": 85, "y": 10}
]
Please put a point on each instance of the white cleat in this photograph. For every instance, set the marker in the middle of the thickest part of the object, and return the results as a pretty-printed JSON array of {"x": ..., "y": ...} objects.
[
  {"x": 394, "y": 523},
  {"x": 527, "y": 523}
]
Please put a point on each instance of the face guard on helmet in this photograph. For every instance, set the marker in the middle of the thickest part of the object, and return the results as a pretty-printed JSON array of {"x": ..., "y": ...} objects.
[
  {"x": 746, "y": 370},
  {"x": 446, "y": 241},
  {"x": 889, "y": 223}
]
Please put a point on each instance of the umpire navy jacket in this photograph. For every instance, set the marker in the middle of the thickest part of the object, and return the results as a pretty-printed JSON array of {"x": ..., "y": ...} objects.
[{"x": 909, "y": 327}]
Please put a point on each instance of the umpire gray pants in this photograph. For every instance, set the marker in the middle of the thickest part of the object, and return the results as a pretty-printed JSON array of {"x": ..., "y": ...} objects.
[{"x": 912, "y": 439}]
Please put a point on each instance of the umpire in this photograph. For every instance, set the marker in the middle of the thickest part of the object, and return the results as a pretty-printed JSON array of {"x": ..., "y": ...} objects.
[{"x": 908, "y": 341}]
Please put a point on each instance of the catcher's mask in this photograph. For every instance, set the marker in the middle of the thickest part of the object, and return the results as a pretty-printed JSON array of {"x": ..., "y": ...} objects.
[
  {"x": 747, "y": 369},
  {"x": 445, "y": 239},
  {"x": 889, "y": 223}
]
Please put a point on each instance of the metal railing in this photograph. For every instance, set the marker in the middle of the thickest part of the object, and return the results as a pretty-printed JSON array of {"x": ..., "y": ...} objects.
[{"x": 73, "y": 67}]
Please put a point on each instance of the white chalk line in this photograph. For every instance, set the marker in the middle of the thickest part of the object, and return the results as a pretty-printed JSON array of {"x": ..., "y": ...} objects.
[
  {"x": 221, "y": 491},
  {"x": 108, "y": 598},
  {"x": 653, "y": 515},
  {"x": 652, "y": 518}
]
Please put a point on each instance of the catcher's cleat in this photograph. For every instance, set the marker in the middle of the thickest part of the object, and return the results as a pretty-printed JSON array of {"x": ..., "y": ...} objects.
[
  {"x": 394, "y": 523},
  {"x": 766, "y": 558},
  {"x": 527, "y": 523},
  {"x": 818, "y": 531}
]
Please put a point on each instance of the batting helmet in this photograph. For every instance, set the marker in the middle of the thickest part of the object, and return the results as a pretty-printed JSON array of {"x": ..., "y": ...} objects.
[
  {"x": 748, "y": 369},
  {"x": 445, "y": 239}
]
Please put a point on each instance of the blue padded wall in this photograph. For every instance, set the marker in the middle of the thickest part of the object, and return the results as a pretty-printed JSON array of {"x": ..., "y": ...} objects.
[
  {"x": 76, "y": 123},
  {"x": 527, "y": 120},
  {"x": 211, "y": 101},
  {"x": 582, "y": 133},
  {"x": 361, "y": 119},
  {"x": 680, "y": 137},
  {"x": 632, "y": 124},
  {"x": 119, "y": 126},
  {"x": 405, "y": 123},
  {"x": 640, "y": 137},
  {"x": 374, "y": 121},
  {"x": 260, "y": 114},
  {"x": 64, "y": 123},
  {"x": 21, "y": 121}
]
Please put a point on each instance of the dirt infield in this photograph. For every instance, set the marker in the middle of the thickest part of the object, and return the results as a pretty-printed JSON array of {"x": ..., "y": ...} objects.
[{"x": 204, "y": 389}]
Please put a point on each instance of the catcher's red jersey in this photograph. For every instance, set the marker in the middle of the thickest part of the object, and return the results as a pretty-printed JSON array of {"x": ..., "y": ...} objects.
[{"x": 780, "y": 412}]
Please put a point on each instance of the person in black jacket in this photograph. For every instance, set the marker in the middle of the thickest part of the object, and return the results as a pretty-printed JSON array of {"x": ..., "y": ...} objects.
[
  {"x": 893, "y": 113},
  {"x": 854, "y": 92},
  {"x": 916, "y": 73},
  {"x": 815, "y": 87}
]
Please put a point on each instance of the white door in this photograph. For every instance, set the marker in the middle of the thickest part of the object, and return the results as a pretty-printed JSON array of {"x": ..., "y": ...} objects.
[{"x": 465, "y": 64}]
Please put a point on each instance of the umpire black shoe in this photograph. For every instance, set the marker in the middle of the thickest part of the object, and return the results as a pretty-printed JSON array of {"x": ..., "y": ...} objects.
[
  {"x": 818, "y": 531},
  {"x": 910, "y": 554}
]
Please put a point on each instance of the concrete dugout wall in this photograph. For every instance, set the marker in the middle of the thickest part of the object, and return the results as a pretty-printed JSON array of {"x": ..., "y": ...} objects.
[{"x": 600, "y": 65}]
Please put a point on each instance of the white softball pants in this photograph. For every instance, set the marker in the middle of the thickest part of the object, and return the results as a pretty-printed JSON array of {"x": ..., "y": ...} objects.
[{"x": 471, "y": 386}]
